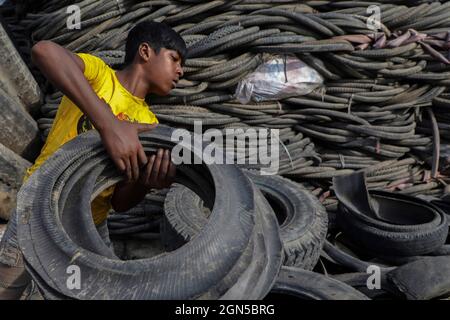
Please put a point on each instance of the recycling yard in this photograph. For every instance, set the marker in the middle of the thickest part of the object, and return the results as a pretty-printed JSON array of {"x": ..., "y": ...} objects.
[{"x": 353, "y": 98}]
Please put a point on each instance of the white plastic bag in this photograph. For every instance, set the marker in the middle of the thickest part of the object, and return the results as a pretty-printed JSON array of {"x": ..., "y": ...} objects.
[{"x": 281, "y": 76}]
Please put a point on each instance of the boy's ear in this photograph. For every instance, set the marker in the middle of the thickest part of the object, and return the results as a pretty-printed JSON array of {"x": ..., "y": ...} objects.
[{"x": 146, "y": 52}]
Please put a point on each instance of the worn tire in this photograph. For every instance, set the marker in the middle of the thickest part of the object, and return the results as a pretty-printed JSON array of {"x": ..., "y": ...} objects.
[
  {"x": 423, "y": 279},
  {"x": 240, "y": 246},
  {"x": 307, "y": 285},
  {"x": 387, "y": 223},
  {"x": 383, "y": 240},
  {"x": 303, "y": 219}
]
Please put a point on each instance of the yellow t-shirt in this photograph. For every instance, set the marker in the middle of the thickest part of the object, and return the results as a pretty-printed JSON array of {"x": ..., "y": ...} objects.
[{"x": 70, "y": 121}]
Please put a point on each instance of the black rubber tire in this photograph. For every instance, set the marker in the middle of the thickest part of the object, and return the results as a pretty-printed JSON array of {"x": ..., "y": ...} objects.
[
  {"x": 423, "y": 279},
  {"x": 303, "y": 218},
  {"x": 240, "y": 246},
  {"x": 443, "y": 205},
  {"x": 391, "y": 242},
  {"x": 307, "y": 285},
  {"x": 305, "y": 227},
  {"x": 405, "y": 225},
  {"x": 261, "y": 274},
  {"x": 342, "y": 258}
]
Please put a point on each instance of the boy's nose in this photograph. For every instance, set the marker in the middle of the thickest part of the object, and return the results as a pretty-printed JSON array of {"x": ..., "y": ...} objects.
[{"x": 180, "y": 71}]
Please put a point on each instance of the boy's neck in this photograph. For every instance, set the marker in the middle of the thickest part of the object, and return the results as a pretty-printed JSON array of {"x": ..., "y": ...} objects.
[{"x": 133, "y": 80}]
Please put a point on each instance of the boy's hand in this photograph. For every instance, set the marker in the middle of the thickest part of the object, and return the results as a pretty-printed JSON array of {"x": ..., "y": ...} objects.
[
  {"x": 159, "y": 172},
  {"x": 121, "y": 141}
]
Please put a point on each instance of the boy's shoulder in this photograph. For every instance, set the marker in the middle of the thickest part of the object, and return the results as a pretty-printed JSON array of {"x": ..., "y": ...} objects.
[
  {"x": 91, "y": 58},
  {"x": 95, "y": 69},
  {"x": 93, "y": 62}
]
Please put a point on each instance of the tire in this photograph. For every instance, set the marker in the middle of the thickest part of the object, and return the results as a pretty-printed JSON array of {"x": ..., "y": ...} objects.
[
  {"x": 307, "y": 285},
  {"x": 305, "y": 227},
  {"x": 240, "y": 246},
  {"x": 400, "y": 225},
  {"x": 444, "y": 205},
  {"x": 302, "y": 217},
  {"x": 268, "y": 248},
  {"x": 18, "y": 130},
  {"x": 12, "y": 171},
  {"x": 349, "y": 261},
  {"x": 423, "y": 279},
  {"x": 22, "y": 86}
]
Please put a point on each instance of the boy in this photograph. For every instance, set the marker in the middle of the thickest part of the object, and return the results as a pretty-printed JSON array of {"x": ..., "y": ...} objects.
[{"x": 113, "y": 102}]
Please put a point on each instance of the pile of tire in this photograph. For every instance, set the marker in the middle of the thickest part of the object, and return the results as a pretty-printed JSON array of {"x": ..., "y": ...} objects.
[
  {"x": 20, "y": 143},
  {"x": 168, "y": 276},
  {"x": 401, "y": 238},
  {"x": 382, "y": 111},
  {"x": 382, "y": 90},
  {"x": 240, "y": 246},
  {"x": 236, "y": 252},
  {"x": 263, "y": 236}
]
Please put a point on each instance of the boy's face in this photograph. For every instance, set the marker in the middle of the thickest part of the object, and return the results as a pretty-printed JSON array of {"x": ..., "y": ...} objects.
[{"x": 164, "y": 70}]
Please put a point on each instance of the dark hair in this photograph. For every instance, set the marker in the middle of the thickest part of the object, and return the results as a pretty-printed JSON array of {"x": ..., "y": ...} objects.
[{"x": 157, "y": 35}]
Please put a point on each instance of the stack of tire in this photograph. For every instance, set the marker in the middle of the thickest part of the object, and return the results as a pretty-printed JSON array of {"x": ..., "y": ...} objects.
[
  {"x": 263, "y": 233},
  {"x": 20, "y": 142},
  {"x": 224, "y": 241},
  {"x": 376, "y": 86},
  {"x": 227, "y": 233},
  {"x": 237, "y": 255}
]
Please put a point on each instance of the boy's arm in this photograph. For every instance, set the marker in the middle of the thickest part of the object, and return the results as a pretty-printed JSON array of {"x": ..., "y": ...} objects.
[
  {"x": 159, "y": 173},
  {"x": 127, "y": 195},
  {"x": 120, "y": 138}
]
